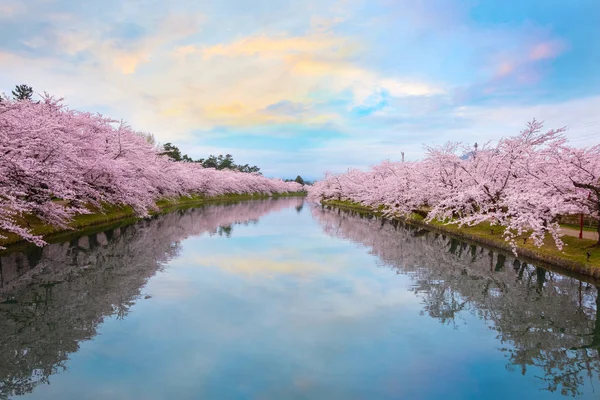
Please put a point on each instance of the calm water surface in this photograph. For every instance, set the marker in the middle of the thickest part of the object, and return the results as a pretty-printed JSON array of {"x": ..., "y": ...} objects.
[{"x": 277, "y": 299}]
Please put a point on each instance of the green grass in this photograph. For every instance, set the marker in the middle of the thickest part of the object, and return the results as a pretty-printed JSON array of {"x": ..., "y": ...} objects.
[
  {"x": 110, "y": 214},
  {"x": 575, "y": 249},
  {"x": 573, "y": 256},
  {"x": 349, "y": 205}
]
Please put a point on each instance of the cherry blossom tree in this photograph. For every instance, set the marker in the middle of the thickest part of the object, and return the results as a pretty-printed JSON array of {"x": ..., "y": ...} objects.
[
  {"x": 575, "y": 174},
  {"x": 56, "y": 163},
  {"x": 521, "y": 184},
  {"x": 492, "y": 184}
]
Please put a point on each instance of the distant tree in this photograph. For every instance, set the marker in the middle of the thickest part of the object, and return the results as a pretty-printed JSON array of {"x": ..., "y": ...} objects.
[
  {"x": 219, "y": 162},
  {"x": 225, "y": 230},
  {"x": 172, "y": 152},
  {"x": 226, "y": 162},
  {"x": 210, "y": 162},
  {"x": 299, "y": 180},
  {"x": 247, "y": 168},
  {"x": 23, "y": 92}
]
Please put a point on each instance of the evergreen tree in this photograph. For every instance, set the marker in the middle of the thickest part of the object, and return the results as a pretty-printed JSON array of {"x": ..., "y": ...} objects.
[
  {"x": 172, "y": 152},
  {"x": 23, "y": 92}
]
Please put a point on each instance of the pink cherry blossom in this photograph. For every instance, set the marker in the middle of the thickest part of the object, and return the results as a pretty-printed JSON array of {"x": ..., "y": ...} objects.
[
  {"x": 56, "y": 163},
  {"x": 522, "y": 184}
]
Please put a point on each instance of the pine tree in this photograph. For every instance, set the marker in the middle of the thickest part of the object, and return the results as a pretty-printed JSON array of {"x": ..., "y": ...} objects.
[{"x": 23, "y": 92}]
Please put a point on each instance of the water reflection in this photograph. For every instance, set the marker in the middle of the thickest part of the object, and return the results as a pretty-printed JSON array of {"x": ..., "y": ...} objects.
[
  {"x": 279, "y": 309},
  {"x": 544, "y": 321},
  {"x": 54, "y": 298}
]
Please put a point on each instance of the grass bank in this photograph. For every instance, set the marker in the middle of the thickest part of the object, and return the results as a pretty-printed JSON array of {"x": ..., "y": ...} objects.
[
  {"x": 113, "y": 216},
  {"x": 573, "y": 257}
]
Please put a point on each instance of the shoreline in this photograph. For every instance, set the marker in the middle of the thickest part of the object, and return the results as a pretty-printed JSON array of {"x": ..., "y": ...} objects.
[
  {"x": 548, "y": 258},
  {"x": 124, "y": 215}
]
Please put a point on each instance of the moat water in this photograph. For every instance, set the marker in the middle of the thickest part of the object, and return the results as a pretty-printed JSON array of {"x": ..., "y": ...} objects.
[{"x": 281, "y": 299}]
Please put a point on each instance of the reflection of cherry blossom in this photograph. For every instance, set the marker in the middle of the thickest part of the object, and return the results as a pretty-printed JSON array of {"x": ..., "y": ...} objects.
[
  {"x": 54, "y": 297},
  {"x": 543, "y": 319}
]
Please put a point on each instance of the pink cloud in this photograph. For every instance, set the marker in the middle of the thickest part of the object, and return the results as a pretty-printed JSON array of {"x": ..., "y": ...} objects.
[
  {"x": 546, "y": 50},
  {"x": 505, "y": 69},
  {"x": 529, "y": 76},
  {"x": 520, "y": 65}
]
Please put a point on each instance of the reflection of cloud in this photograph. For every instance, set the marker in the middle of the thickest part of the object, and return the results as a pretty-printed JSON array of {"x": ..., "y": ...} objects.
[
  {"x": 173, "y": 287},
  {"x": 329, "y": 282},
  {"x": 269, "y": 262}
]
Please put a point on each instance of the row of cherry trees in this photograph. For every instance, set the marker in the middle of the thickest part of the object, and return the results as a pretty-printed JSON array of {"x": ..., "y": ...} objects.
[
  {"x": 56, "y": 162},
  {"x": 522, "y": 183}
]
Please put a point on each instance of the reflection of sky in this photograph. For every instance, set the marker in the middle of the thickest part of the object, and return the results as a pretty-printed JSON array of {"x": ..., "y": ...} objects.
[{"x": 281, "y": 311}]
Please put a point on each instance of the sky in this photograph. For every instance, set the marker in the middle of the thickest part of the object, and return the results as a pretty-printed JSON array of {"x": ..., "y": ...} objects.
[{"x": 305, "y": 87}]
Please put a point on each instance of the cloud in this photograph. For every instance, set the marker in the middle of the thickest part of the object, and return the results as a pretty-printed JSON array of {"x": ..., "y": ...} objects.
[
  {"x": 361, "y": 82},
  {"x": 406, "y": 88},
  {"x": 126, "y": 54},
  {"x": 280, "y": 75},
  {"x": 522, "y": 62},
  {"x": 161, "y": 76},
  {"x": 171, "y": 287},
  {"x": 547, "y": 50},
  {"x": 266, "y": 46},
  {"x": 505, "y": 69},
  {"x": 10, "y": 9},
  {"x": 287, "y": 107},
  {"x": 320, "y": 60},
  {"x": 500, "y": 121}
]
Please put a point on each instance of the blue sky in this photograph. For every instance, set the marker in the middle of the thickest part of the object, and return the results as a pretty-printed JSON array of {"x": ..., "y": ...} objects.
[{"x": 311, "y": 86}]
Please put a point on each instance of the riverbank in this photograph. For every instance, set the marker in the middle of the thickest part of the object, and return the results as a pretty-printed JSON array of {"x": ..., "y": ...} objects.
[
  {"x": 120, "y": 215},
  {"x": 573, "y": 257}
]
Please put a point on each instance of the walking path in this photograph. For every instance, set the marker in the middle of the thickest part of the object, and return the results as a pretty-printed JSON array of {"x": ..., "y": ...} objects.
[{"x": 575, "y": 232}]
